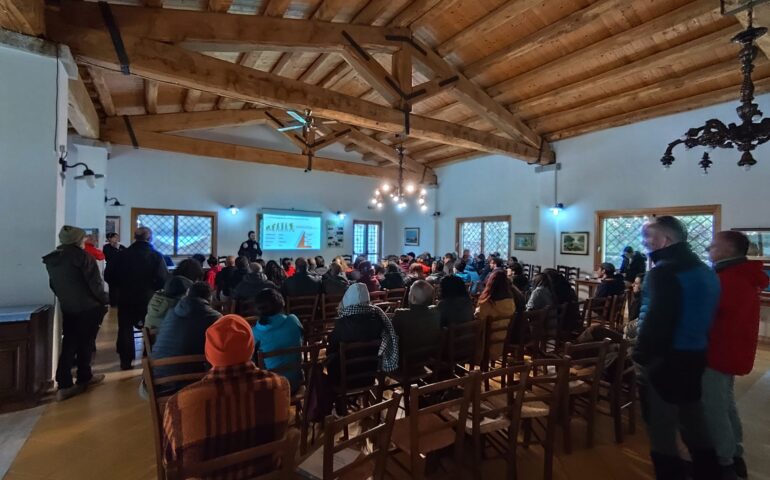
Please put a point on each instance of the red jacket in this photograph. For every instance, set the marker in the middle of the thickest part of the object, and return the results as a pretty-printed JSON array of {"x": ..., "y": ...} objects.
[
  {"x": 93, "y": 251},
  {"x": 733, "y": 337}
]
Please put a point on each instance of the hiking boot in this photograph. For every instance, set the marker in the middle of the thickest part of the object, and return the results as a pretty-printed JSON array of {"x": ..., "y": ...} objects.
[
  {"x": 96, "y": 379},
  {"x": 69, "y": 392}
]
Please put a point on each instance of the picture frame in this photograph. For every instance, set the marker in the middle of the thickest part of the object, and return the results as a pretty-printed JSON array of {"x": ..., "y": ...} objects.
[
  {"x": 112, "y": 224},
  {"x": 411, "y": 236},
  {"x": 759, "y": 242},
  {"x": 525, "y": 241},
  {"x": 94, "y": 234},
  {"x": 574, "y": 243}
]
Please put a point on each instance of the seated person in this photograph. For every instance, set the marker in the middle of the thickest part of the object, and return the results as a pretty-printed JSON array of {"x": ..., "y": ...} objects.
[
  {"x": 236, "y": 275},
  {"x": 275, "y": 273},
  {"x": 188, "y": 272},
  {"x": 335, "y": 283},
  {"x": 542, "y": 295},
  {"x": 393, "y": 277},
  {"x": 253, "y": 282},
  {"x": 415, "y": 273},
  {"x": 379, "y": 272},
  {"x": 455, "y": 305},
  {"x": 275, "y": 331},
  {"x": 496, "y": 301},
  {"x": 359, "y": 321},
  {"x": 612, "y": 283},
  {"x": 437, "y": 272},
  {"x": 222, "y": 279},
  {"x": 302, "y": 283},
  {"x": 367, "y": 276},
  {"x": 518, "y": 279},
  {"x": 234, "y": 388},
  {"x": 635, "y": 299},
  {"x": 420, "y": 324},
  {"x": 288, "y": 267},
  {"x": 214, "y": 269},
  {"x": 320, "y": 266},
  {"x": 184, "y": 328}
]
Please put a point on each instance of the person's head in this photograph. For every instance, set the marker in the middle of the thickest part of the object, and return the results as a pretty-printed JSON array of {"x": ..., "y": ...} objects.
[
  {"x": 335, "y": 269},
  {"x": 268, "y": 302},
  {"x": 311, "y": 265},
  {"x": 189, "y": 268},
  {"x": 662, "y": 232},
  {"x": 301, "y": 265},
  {"x": 411, "y": 256},
  {"x": 69, "y": 235},
  {"x": 628, "y": 252},
  {"x": 261, "y": 262},
  {"x": 230, "y": 261},
  {"x": 437, "y": 266},
  {"x": 357, "y": 262},
  {"x": 379, "y": 269},
  {"x": 319, "y": 261},
  {"x": 495, "y": 262},
  {"x": 449, "y": 257},
  {"x": 356, "y": 294},
  {"x": 212, "y": 261},
  {"x": 113, "y": 239},
  {"x": 452, "y": 286},
  {"x": 143, "y": 234},
  {"x": 606, "y": 270},
  {"x": 229, "y": 341},
  {"x": 415, "y": 270},
  {"x": 637, "y": 285},
  {"x": 728, "y": 244},
  {"x": 460, "y": 266},
  {"x": 286, "y": 264},
  {"x": 201, "y": 290},
  {"x": 498, "y": 287},
  {"x": 393, "y": 268},
  {"x": 517, "y": 268},
  {"x": 421, "y": 293},
  {"x": 341, "y": 262},
  {"x": 541, "y": 280},
  {"x": 200, "y": 258},
  {"x": 365, "y": 267},
  {"x": 242, "y": 263},
  {"x": 252, "y": 235},
  {"x": 255, "y": 267},
  {"x": 466, "y": 254}
]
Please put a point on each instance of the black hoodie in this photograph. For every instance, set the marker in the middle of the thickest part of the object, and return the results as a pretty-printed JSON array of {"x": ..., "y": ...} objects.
[{"x": 75, "y": 279}]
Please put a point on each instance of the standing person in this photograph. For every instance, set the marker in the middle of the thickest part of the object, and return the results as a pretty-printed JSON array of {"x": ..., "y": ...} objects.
[
  {"x": 77, "y": 284},
  {"x": 732, "y": 344},
  {"x": 138, "y": 272},
  {"x": 633, "y": 264},
  {"x": 211, "y": 273},
  {"x": 222, "y": 279},
  {"x": 679, "y": 300},
  {"x": 110, "y": 249},
  {"x": 250, "y": 248}
]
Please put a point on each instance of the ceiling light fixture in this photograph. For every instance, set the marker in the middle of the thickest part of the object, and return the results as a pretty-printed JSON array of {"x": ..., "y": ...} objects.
[
  {"x": 88, "y": 175},
  {"x": 114, "y": 200},
  {"x": 747, "y": 135},
  {"x": 398, "y": 193},
  {"x": 340, "y": 215},
  {"x": 233, "y": 209}
]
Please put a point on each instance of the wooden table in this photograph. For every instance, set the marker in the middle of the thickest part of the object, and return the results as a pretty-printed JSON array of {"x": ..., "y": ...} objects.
[{"x": 591, "y": 285}]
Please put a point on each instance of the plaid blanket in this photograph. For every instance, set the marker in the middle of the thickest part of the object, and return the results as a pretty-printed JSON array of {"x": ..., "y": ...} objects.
[{"x": 389, "y": 347}]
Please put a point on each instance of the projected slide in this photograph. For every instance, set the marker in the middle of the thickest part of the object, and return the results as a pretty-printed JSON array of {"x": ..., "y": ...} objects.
[{"x": 290, "y": 232}]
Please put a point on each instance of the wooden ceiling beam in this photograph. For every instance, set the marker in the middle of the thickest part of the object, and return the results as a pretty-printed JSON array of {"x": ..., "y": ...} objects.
[
  {"x": 221, "y": 6},
  {"x": 171, "y": 64},
  {"x": 458, "y": 157},
  {"x": 761, "y": 18},
  {"x": 102, "y": 91},
  {"x": 681, "y": 105},
  {"x": 179, "y": 122},
  {"x": 81, "y": 111},
  {"x": 153, "y": 3},
  {"x": 413, "y": 11},
  {"x": 207, "y": 148},
  {"x": 151, "y": 96},
  {"x": 387, "y": 152},
  {"x": 373, "y": 73},
  {"x": 23, "y": 16},
  {"x": 212, "y": 31}
]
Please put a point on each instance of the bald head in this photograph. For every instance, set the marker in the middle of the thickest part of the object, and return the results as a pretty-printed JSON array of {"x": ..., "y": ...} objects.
[
  {"x": 420, "y": 293},
  {"x": 143, "y": 234}
]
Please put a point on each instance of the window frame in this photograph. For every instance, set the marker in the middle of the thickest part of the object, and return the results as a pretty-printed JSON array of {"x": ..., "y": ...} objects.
[
  {"x": 600, "y": 215},
  {"x": 492, "y": 218},
  {"x": 379, "y": 236},
  {"x": 135, "y": 212}
]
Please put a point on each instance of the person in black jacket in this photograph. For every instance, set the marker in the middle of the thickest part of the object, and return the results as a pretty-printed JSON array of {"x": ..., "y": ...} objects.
[
  {"x": 75, "y": 280},
  {"x": 253, "y": 282},
  {"x": 302, "y": 283},
  {"x": 138, "y": 272},
  {"x": 110, "y": 249},
  {"x": 612, "y": 283},
  {"x": 393, "y": 277},
  {"x": 250, "y": 248},
  {"x": 633, "y": 264}
]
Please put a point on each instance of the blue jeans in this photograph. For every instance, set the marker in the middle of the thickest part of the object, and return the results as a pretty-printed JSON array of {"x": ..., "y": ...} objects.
[{"x": 722, "y": 418}]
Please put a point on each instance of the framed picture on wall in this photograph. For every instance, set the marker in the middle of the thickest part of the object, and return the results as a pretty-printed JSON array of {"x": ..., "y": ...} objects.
[
  {"x": 94, "y": 234},
  {"x": 112, "y": 225},
  {"x": 574, "y": 243},
  {"x": 759, "y": 242},
  {"x": 411, "y": 236},
  {"x": 524, "y": 241}
]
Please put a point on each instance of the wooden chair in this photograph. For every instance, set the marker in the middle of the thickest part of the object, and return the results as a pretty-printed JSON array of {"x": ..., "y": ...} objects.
[
  {"x": 396, "y": 295},
  {"x": 496, "y": 333},
  {"x": 536, "y": 269},
  {"x": 245, "y": 307},
  {"x": 586, "y": 367},
  {"x": 537, "y": 336},
  {"x": 148, "y": 339},
  {"x": 620, "y": 391},
  {"x": 329, "y": 306},
  {"x": 303, "y": 360},
  {"x": 415, "y": 367},
  {"x": 158, "y": 400},
  {"x": 597, "y": 310},
  {"x": 284, "y": 450},
  {"x": 304, "y": 307},
  {"x": 463, "y": 344},
  {"x": 430, "y": 429},
  {"x": 348, "y": 457},
  {"x": 378, "y": 296},
  {"x": 527, "y": 270},
  {"x": 617, "y": 312},
  {"x": 388, "y": 307},
  {"x": 360, "y": 378},
  {"x": 570, "y": 273}
]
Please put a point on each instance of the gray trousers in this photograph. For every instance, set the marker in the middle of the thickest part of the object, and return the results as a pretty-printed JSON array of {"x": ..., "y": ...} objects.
[{"x": 724, "y": 424}]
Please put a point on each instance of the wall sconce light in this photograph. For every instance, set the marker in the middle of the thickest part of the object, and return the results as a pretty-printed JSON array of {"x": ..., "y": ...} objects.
[
  {"x": 340, "y": 215},
  {"x": 557, "y": 209},
  {"x": 233, "y": 209},
  {"x": 88, "y": 175},
  {"x": 114, "y": 201}
]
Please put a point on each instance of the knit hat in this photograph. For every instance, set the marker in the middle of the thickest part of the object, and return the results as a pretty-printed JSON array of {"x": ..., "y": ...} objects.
[
  {"x": 69, "y": 235},
  {"x": 229, "y": 341},
  {"x": 356, "y": 294}
]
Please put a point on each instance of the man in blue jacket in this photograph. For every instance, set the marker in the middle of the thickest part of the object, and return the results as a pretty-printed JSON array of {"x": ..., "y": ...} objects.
[{"x": 679, "y": 300}]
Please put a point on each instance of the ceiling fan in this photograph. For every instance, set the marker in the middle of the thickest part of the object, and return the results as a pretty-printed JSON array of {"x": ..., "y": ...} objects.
[
  {"x": 302, "y": 121},
  {"x": 308, "y": 125}
]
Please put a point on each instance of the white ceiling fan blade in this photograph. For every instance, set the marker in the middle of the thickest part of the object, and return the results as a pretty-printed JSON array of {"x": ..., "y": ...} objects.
[
  {"x": 286, "y": 129},
  {"x": 297, "y": 116}
]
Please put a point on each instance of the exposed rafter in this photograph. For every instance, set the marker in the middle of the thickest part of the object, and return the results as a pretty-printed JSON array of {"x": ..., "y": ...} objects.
[{"x": 23, "y": 16}]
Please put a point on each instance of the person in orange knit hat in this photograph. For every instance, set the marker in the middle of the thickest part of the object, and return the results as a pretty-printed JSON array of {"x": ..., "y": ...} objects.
[{"x": 234, "y": 388}]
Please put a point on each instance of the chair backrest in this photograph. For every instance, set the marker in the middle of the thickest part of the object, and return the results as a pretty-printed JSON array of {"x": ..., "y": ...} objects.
[
  {"x": 618, "y": 311},
  {"x": 414, "y": 360},
  {"x": 597, "y": 310},
  {"x": 304, "y": 307},
  {"x": 548, "y": 382},
  {"x": 587, "y": 362},
  {"x": 395, "y": 295},
  {"x": 570, "y": 273},
  {"x": 373, "y": 428},
  {"x": 496, "y": 335},
  {"x": 459, "y": 403},
  {"x": 245, "y": 307},
  {"x": 463, "y": 343},
  {"x": 536, "y": 269},
  {"x": 284, "y": 450},
  {"x": 158, "y": 400},
  {"x": 504, "y": 399},
  {"x": 303, "y": 359},
  {"x": 359, "y": 361},
  {"x": 377, "y": 296},
  {"x": 536, "y": 334},
  {"x": 329, "y": 306},
  {"x": 148, "y": 339}
]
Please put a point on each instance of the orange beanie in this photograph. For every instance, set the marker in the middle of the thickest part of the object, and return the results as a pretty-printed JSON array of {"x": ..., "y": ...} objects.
[{"x": 229, "y": 341}]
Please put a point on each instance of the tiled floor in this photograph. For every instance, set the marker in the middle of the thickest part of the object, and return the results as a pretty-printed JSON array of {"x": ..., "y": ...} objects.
[{"x": 106, "y": 434}]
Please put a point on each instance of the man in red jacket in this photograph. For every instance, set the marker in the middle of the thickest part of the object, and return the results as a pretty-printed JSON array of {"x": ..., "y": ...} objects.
[{"x": 732, "y": 345}]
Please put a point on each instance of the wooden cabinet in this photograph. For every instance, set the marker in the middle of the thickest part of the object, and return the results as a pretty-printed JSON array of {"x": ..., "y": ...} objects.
[{"x": 26, "y": 343}]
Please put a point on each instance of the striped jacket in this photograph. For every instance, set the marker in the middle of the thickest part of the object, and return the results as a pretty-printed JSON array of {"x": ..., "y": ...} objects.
[{"x": 230, "y": 409}]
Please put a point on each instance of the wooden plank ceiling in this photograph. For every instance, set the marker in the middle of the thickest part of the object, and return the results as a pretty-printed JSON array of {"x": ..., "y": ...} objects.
[{"x": 502, "y": 76}]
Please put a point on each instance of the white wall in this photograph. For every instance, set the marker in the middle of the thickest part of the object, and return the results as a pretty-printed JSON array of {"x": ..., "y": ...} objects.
[
  {"x": 153, "y": 179},
  {"x": 617, "y": 168},
  {"x": 31, "y": 193},
  {"x": 85, "y": 205}
]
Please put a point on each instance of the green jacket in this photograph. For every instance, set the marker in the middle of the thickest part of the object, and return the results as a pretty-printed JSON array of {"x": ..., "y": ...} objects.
[{"x": 75, "y": 279}]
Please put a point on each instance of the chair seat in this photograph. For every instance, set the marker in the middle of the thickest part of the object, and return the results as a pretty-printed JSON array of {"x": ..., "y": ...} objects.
[
  {"x": 576, "y": 387},
  {"x": 487, "y": 424},
  {"x": 430, "y": 442},
  {"x": 313, "y": 466},
  {"x": 534, "y": 410}
]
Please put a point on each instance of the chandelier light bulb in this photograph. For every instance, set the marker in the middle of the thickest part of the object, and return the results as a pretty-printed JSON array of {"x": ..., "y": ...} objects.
[
  {"x": 423, "y": 192},
  {"x": 385, "y": 187},
  {"x": 374, "y": 201},
  {"x": 421, "y": 201},
  {"x": 410, "y": 188},
  {"x": 379, "y": 204},
  {"x": 423, "y": 207},
  {"x": 377, "y": 192}
]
